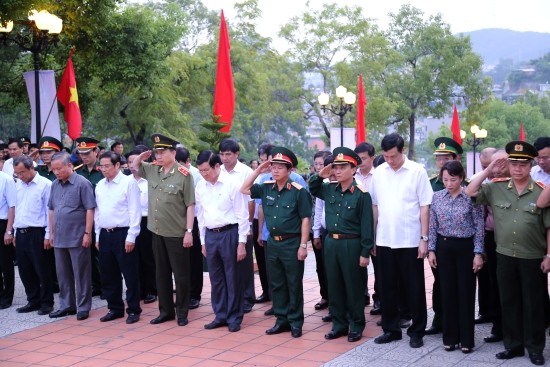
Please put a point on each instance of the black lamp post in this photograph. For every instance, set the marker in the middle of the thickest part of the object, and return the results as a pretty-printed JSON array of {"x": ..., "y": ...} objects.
[
  {"x": 347, "y": 100},
  {"x": 36, "y": 35},
  {"x": 479, "y": 136}
]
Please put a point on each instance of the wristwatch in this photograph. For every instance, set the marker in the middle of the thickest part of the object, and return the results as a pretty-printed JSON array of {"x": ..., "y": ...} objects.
[
  {"x": 303, "y": 245},
  {"x": 424, "y": 238},
  {"x": 189, "y": 230},
  {"x": 9, "y": 232}
]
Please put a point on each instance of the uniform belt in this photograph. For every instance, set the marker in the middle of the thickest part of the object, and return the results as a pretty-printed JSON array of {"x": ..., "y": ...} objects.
[
  {"x": 223, "y": 229},
  {"x": 285, "y": 236},
  {"x": 342, "y": 236},
  {"x": 115, "y": 229},
  {"x": 29, "y": 229}
]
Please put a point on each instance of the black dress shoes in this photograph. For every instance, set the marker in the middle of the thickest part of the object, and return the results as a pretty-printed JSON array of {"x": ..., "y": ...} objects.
[
  {"x": 132, "y": 318},
  {"x": 432, "y": 330},
  {"x": 28, "y": 308},
  {"x": 492, "y": 338},
  {"x": 510, "y": 353},
  {"x": 182, "y": 321},
  {"x": 215, "y": 324},
  {"x": 194, "y": 303},
  {"x": 354, "y": 336},
  {"x": 327, "y": 318},
  {"x": 45, "y": 310},
  {"x": 150, "y": 298},
  {"x": 160, "y": 319},
  {"x": 480, "y": 320},
  {"x": 296, "y": 332},
  {"x": 111, "y": 315},
  {"x": 536, "y": 359},
  {"x": 376, "y": 309},
  {"x": 247, "y": 308},
  {"x": 62, "y": 313},
  {"x": 387, "y": 338},
  {"x": 416, "y": 342},
  {"x": 321, "y": 305},
  {"x": 82, "y": 315},
  {"x": 333, "y": 334},
  {"x": 234, "y": 328},
  {"x": 277, "y": 329},
  {"x": 5, "y": 305},
  {"x": 263, "y": 298},
  {"x": 269, "y": 312}
]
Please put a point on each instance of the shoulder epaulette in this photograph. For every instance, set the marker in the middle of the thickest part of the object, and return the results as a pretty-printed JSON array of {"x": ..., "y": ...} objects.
[
  {"x": 183, "y": 170},
  {"x": 501, "y": 179},
  {"x": 362, "y": 189},
  {"x": 541, "y": 184},
  {"x": 269, "y": 182},
  {"x": 78, "y": 167},
  {"x": 297, "y": 185}
]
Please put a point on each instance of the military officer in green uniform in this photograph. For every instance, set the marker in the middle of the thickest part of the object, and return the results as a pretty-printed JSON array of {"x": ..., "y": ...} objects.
[
  {"x": 522, "y": 246},
  {"x": 287, "y": 212},
  {"x": 349, "y": 222},
  {"x": 446, "y": 149},
  {"x": 171, "y": 217},
  {"x": 47, "y": 146}
]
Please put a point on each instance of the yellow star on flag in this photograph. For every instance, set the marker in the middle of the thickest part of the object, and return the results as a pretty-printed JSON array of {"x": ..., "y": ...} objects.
[{"x": 74, "y": 95}]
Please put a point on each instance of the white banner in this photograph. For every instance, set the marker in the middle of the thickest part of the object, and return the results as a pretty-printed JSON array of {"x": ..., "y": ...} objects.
[
  {"x": 49, "y": 114},
  {"x": 349, "y": 137}
]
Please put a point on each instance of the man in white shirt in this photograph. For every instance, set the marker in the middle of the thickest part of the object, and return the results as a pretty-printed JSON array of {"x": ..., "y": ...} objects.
[
  {"x": 117, "y": 224},
  {"x": 229, "y": 151},
  {"x": 15, "y": 148},
  {"x": 222, "y": 213},
  {"x": 401, "y": 196},
  {"x": 33, "y": 236},
  {"x": 541, "y": 172}
]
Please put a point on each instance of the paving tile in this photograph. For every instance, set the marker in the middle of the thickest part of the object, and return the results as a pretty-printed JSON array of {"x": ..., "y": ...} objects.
[
  {"x": 32, "y": 358},
  {"x": 179, "y": 361},
  {"x": 200, "y": 352},
  {"x": 148, "y": 358},
  {"x": 62, "y": 361}
]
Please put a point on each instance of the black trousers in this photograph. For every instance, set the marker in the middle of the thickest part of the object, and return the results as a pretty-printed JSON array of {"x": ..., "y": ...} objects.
[
  {"x": 401, "y": 271},
  {"x": 195, "y": 263},
  {"x": 488, "y": 294},
  {"x": 522, "y": 301},
  {"x": 116, "y": 262},
  {"x": 321, "y": 267},
  {"x": 172, "y": 258},
  {"x": 458, "y": 287},
  {"x": 34, "y": 267},
  {"x": 260, "y": 259},
  {"x": 144, "y": 248},
  {"x": 7, "y": 271}
]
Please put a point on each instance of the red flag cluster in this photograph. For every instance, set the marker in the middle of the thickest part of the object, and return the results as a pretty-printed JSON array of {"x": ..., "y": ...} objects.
[
  {"x": 224, "y": 94},
  {"x": 68, "y": 97},
  {"x": 455, "y": 127},
  {"x": 361, "y": 105},
  {"x": 521, "y": 132}
]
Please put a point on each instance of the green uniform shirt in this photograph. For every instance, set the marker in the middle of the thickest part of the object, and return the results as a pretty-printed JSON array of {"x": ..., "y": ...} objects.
[
  {"x": 43, "y": 171},
  {"x": 285, "y": 209},
  {"x": 437, "y": 185},
  {"x": 94, "y": 176},
  {"x": 346, "y": 212},
  {"x": 169, "y": 197},
  {"x": 520, "y": 227}
]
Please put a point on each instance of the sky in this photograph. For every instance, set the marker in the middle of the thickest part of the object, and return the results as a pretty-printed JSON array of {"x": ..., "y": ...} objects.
[{"x": 461, "y": 15}]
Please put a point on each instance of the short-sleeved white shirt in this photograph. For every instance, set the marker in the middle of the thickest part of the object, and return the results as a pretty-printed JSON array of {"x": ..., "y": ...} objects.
[{"x": 399, "y": 196}]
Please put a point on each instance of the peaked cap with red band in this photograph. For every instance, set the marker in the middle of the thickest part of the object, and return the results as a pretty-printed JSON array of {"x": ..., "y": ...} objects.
[
  {"x": 50, "y": 143},
  {"x": 85, "y": 145},
  {"x": 163, "y": 142},
  {"x": 343, "y": 155},
  {"x": 283, "y": 155}
]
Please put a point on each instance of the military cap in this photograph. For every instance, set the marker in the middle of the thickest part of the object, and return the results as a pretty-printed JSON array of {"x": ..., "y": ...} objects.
[
  {"x": 343, "y": 155},
  {"x": 49, "y": 143},
  {"x": 163, "y": 142},
  {"x": 520, "y": 151},
  {"x": 445, "y": 145},
  {"x": 25, "y": 140},
  {"x": 283, "y": 155},
  {"x": 85, "y": 145}
]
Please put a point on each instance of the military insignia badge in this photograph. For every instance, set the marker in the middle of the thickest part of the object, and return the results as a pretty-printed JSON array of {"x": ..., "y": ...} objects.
[
  {"x": 83, "y": 144},
  {"x": 340, "y": 156},
  {"x": 518, "y": 148},
  {"x": 442, "y": 146},
  {"x": 278, "y": 156},
  {"x": 157, "y": 139}
]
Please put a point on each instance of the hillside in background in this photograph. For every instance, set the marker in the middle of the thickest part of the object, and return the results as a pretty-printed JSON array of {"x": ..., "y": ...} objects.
[{"x": 495, "y": 45}]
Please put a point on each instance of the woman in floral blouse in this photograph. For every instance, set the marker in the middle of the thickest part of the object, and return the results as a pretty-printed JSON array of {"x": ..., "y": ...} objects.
[{"x": 455, "y": 249}]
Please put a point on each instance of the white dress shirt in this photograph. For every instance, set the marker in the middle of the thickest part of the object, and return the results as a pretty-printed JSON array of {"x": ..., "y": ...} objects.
[
  {"x": 143, "y": 196},
  {"x": 118, "y": 205},
  {"x": 220, "y": 204},
  {"x": 539, "y": 175},
  {"x": 399, "y": 196},
  {"x": 8, "y": 167},
  {"x": 7, "y": 194},
  {"x": 31, "y": 207},
  {"x": 364, "y": 180},
  {"x": 241, "y": 171},
  {"x": 319, "y": 220}
]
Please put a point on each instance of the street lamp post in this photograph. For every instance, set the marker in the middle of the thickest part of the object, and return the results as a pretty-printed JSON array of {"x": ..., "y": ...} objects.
[
  {"x": 347, "y": 100},
  {"x": 43, "y": 30},
  {"x": 479, "y": 136}
]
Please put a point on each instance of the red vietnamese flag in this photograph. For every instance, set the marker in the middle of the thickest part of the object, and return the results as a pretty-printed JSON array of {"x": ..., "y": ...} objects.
[
  {"x": 455, "y": 127},
  {"x": 361, "y": 105},
  {"x": 68, "y": 97},
  {"x": 224, "y": 93},
  {"x": 521, "y": 132}
]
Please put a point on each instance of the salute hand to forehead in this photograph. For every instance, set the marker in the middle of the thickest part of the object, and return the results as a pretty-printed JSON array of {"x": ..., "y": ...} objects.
[
  {"x": 325, "y": 172},
  {"x": 264, "y": 167}
]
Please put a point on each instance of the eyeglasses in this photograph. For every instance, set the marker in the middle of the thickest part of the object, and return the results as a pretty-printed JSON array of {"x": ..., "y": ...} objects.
[
  {"x": 204, "y": 171},
  {"x": 105, "y": 166}
]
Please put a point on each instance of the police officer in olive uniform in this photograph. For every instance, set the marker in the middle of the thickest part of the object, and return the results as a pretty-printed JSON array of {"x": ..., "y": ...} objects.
[
  {"x": 523, "y": 254},
  {"x": 287, "y": 212},
  {"x": 446, "y": 149},
  {"x": 87, "y": 149},
  {"x": 349, "y": 222},
  {"x": 171, "y": 215}
]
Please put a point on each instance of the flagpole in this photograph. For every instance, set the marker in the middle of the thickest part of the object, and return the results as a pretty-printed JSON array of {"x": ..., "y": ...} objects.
[{"x": 48, "y": 118}]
